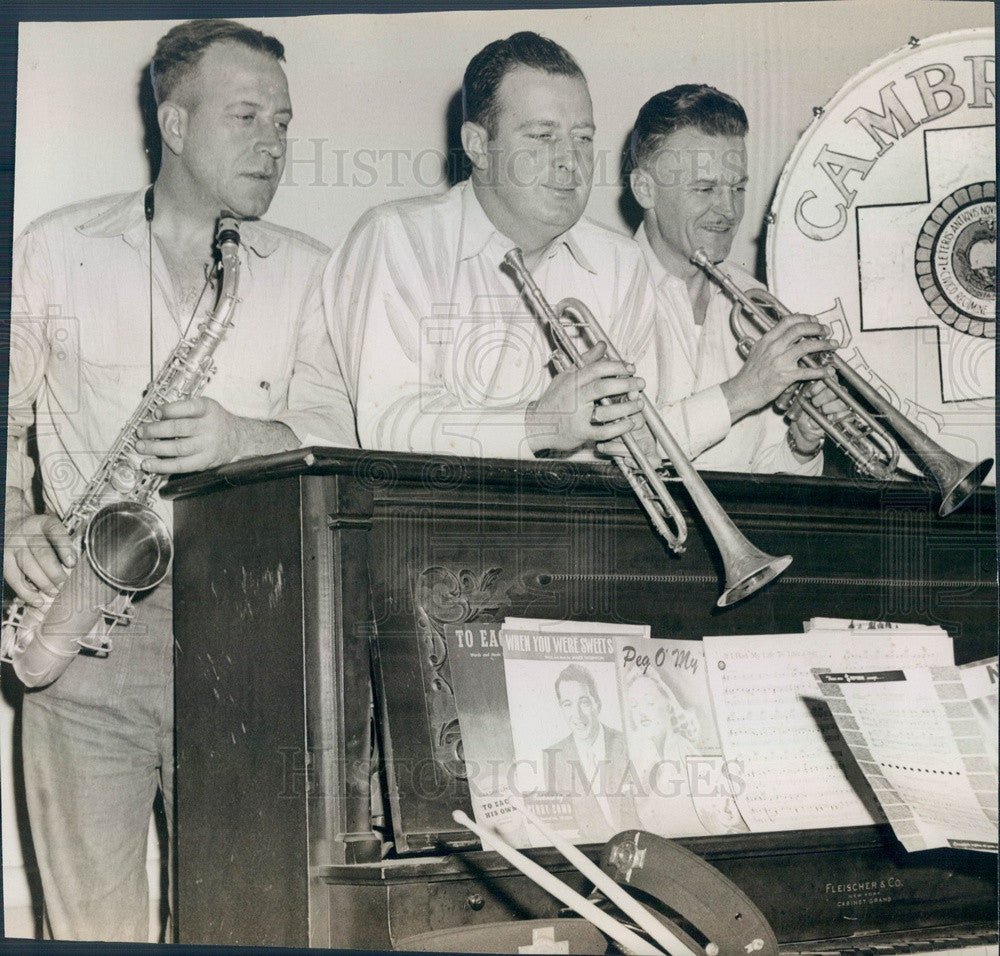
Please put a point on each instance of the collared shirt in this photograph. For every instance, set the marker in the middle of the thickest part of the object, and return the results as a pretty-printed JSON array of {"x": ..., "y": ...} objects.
[
  {"x": 693, "y": 361},
  {"x": 83, "y": 291},
  {"x": 440, "y": 351}
]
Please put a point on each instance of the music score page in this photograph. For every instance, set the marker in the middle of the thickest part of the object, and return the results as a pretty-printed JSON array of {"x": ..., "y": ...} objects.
[
  {"x": 917, "y": 737},
  {"x": 790, "y": 766}
]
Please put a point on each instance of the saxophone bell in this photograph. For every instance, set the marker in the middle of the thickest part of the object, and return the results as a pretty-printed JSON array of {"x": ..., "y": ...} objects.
[{"x": 129, "y": 545}]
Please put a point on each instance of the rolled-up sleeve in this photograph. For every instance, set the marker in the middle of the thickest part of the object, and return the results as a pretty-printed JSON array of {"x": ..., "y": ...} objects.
[
  {"x": 699, "y": 421},
  {"x": 774, "y": 456},
  {"x": 319, "y": 410}
]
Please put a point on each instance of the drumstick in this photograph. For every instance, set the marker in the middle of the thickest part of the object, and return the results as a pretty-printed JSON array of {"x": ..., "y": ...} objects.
[
  {"x": 628, "y": 904},
  {"x": 608, "y": 925}
]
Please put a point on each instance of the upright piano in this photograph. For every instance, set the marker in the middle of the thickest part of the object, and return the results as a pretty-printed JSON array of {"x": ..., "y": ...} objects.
[{"x": 314, "y": 792}]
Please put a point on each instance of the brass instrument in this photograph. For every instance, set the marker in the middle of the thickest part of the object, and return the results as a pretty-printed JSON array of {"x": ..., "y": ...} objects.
[
  {"x": 747, "y": 569},
  {"x": 126, "y": 544},
  {"x": 861, "y": 436}
]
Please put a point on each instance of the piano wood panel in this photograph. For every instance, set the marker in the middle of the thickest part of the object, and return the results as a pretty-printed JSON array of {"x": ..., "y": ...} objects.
[{"x": 366, "y": 545}]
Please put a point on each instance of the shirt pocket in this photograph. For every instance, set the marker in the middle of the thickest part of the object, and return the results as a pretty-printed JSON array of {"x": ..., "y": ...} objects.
[
  {"x": 116, "y": 388},
  {"x": 250, "y": 394}
]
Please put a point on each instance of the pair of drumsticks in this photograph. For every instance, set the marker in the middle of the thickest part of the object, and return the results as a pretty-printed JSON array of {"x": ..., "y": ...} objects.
[{"x": 628, "y": 939}]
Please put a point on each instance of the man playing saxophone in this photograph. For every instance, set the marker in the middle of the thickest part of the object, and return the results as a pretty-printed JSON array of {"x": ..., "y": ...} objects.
[
  {"x": 102, "y": 293},
  {"x": 689, "y": 174}
]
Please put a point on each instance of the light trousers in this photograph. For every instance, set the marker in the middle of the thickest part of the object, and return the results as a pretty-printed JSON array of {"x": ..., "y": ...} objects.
[{"x": 97, "y": 745}]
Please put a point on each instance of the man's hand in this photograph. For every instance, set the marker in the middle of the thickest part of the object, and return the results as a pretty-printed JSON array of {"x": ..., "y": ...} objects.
[
  {"x": 193, "y": 434},
  {"x": 37, "y": 557},
  {"x": 806, "y": 434},
  {"x": 648, "y": 446},
  {"x": 773, "y": 364},
  {"x": 567, "y": 414}
]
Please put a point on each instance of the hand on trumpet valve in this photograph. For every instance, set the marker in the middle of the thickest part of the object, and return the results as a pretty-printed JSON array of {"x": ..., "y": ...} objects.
[
  {"x": 772, "y": 364},
  {"x": 569, "y": 413},
  {"x": 640, "y": 432},
  {"x": 805, "y": 435},
  {"x": 37, "y": 557}
]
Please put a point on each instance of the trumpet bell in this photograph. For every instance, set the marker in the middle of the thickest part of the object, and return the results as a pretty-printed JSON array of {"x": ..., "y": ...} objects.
[
  {"x": 748, "y": 571},
  {"x": 128, "y": 545},
  {"x": 957, "y": 487}
]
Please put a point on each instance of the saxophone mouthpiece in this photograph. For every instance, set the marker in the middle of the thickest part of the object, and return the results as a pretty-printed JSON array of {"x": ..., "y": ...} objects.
[{"x": 228, "y": 229}]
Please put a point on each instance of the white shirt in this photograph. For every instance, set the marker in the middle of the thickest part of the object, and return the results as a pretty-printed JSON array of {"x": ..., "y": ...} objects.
[
  {"x": 81, "y": 328},
  {"x": 440, "y": 352},
  {"x": 693, "y": 361}
]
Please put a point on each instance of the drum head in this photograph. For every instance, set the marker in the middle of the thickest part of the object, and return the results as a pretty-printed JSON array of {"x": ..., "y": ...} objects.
[{"x": 884, "y": 225}]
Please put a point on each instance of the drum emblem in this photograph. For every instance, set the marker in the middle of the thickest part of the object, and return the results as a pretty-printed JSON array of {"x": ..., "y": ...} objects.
[{"x": 955, "y": 259}]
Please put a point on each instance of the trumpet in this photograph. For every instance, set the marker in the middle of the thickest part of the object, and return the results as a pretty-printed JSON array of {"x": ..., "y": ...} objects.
[
  {"x": 860, "y": 435},
  {"x": 747, "y": 569}
]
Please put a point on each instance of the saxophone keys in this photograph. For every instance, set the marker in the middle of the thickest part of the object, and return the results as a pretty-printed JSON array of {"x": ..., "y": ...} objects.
[{"x": 124, "y": 478}]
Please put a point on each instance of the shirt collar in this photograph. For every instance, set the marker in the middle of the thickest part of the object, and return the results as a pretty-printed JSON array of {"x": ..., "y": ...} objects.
[
  {"x": 127, "y": 218},
  {"x": 478, "y": 230},
  {"x": 661, "y": 278}
]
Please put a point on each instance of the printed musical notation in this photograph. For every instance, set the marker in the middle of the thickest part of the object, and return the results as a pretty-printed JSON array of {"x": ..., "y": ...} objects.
[
  {"x": 797, "y": 771},
  {"x": 599, "y": 728}
]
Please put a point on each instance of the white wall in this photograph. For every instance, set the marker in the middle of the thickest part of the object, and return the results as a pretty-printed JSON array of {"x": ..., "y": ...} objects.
[{"x": 367, "y": 83}]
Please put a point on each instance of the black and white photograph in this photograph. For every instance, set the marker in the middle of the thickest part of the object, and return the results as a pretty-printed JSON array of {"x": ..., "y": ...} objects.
[{"x": 341, "y": 335}]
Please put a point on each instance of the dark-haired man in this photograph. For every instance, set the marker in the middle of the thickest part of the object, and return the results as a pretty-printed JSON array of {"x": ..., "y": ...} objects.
[
  {"x": 105, "y": 290},
  {"x": 689, "y": 176},
  {"x": 440, "y": 352},
  {"x": 590, "y": 765}
]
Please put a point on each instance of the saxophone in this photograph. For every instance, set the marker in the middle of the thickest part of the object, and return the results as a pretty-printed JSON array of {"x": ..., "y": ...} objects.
[{"x": 127, "y": 545}]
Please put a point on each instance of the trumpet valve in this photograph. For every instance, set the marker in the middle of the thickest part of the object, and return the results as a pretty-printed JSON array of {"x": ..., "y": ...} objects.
[{"x": 787, "y": 401}]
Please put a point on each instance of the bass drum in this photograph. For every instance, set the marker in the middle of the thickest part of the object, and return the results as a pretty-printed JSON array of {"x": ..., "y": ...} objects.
[{"x": 884, "y": 225}]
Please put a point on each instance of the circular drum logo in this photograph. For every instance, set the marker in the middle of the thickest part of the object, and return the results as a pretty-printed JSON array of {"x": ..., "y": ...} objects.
[{"x": 955, "y": 259}]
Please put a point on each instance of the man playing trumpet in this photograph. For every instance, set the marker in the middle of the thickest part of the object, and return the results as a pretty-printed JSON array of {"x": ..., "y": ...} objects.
[
  {"x": 689, "y": 174},
  {"x": 440, "y": 352}
]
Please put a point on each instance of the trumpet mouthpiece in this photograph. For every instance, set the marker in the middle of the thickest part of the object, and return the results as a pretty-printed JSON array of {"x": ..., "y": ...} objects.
[
  {"x": 515, "y": 258},
  {"x": 700, "y": 258}
]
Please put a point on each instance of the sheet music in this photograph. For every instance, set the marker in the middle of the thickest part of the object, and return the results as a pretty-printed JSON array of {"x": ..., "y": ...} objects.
[
  {"x": 504, "y": 686},
  {"x": 682, "y": 778},
  {"x": 790, "y": 765},
  {"x": 856, "y": 624},
  {"x": 981, "y": 680},
  {"x": 635, "y": 632},
  {"x": 917, "y": 739},
  {"x": 567, "y": 725}
]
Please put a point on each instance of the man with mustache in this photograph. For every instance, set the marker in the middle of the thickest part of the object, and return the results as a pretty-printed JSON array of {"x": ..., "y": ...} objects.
[
  {"x": 439, "y": 350},
  {"x": 104, "y": 291},
  {"x": 689, "y": 176}
]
